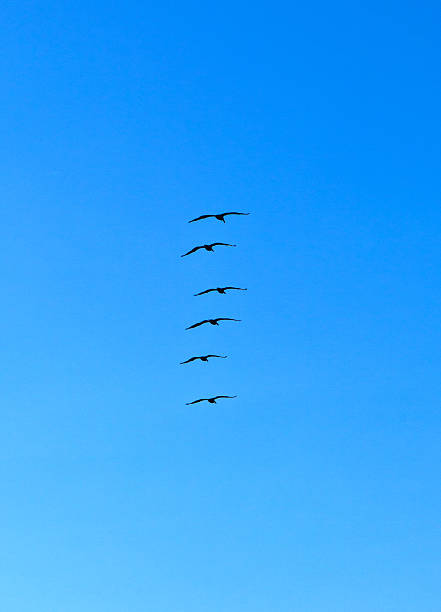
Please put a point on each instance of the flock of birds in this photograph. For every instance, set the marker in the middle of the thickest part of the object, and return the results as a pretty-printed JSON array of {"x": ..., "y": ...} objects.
[{"x": 221, "y": 291}]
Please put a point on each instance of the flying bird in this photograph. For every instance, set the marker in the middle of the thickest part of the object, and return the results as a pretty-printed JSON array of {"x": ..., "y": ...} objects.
[
  {"x": 208, "y": 247},
  {"x": 219, "y": 217},
  {"x": 212, "y": 321},
  {"x": 212, "y": 400},
  {"x": 203, "y": 358},
  {"x": 220, "y": 290}
]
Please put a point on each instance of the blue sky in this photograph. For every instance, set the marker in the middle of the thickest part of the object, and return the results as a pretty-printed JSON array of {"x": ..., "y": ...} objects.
[{"x": 317, "y": 489}]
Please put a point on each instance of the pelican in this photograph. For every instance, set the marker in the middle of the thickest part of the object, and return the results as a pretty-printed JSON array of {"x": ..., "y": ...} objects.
[
  {"x": 221, "y": 290},
  {"x": 208, "y": 247},
  {"x": 219, "y": 217},
  {"x": 212, "y": 400},
  {"x": 204, "y": 358},
  {"x": 212, "y": 321}
]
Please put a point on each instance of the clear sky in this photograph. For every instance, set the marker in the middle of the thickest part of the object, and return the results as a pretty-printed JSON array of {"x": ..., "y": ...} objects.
[{"x": 317, "y": 489}]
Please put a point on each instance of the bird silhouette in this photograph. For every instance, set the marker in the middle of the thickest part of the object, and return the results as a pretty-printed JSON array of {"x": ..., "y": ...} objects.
[
  {"x": 221, "y": 290},
  {"x": 219, "y": 217},
  {"x": 212, "y": 321},
  {"x": 212, "y": 400},
  {"x": 208, "y": 247},
  {"x": 203, "y": 358}
]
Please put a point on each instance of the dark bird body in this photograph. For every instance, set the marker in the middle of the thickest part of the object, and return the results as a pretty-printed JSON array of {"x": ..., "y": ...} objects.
[
  {"x": 208, "y": 247},
  {"x": 212, "y": 321},
  {"x": 211, "y": 400},
  {"x": 219, "y": 217},
  {"x": 221, "y": 290},
  {"x": 203, "y": 358}
]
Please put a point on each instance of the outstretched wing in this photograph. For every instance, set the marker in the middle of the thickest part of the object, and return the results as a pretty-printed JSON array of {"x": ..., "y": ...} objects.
[
  {"x": 238, "y": 288},
  {"x": 197, "y": 324},
  {"x": 188, "y": 360},
  {"x": 222, "y": 244},
  {"x": 234, "y": 213},
  {"x": 201, "y": 217},
  {"x": 220, "y": 356},
  {"x": 195, "y": 401},
  {"x": 224, "y": 396},
  {"x": 192, "y": 251},
  {"x": 206, "y": 291},
  {"x": 227, "y": 319}
]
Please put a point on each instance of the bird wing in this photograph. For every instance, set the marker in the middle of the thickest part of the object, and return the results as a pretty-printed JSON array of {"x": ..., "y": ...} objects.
[
  {"x": 206, "y": 291},
  {"x": 188, "y": 360},
  {"x": 192, "y": 251},
  {"x": 224, "y": 396},
  {"x": 221, "y": 356},
  {"x": 238, "y": 288},
  {"x": 227, "y": 319},
  {"x": 222, "y": 244},
  {"x": 197, "y": 324},
  {"x": 195, "y": 401},
  {"x": 235, "y": 213},
  {"x": 201, "y": 217}
]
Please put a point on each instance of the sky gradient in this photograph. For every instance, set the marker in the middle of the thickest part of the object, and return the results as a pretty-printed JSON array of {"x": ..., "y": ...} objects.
[{"x": 317, "y": 489}]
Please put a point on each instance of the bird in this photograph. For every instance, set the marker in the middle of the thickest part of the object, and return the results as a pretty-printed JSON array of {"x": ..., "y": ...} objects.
[
  {"x": 212, "y": 321},
  {"x": 219, "y": 217},
  {"x": 221, "y": 290},
  {"x": 212, "y": 400},
  {"x": 208, "y": 247},
  {"x": 204, "y": 358}
]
